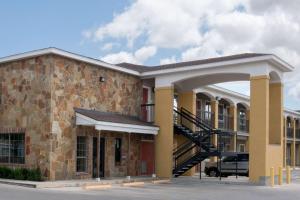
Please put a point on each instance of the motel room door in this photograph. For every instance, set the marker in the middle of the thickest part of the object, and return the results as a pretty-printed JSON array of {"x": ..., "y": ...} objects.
[
  {"x": 147, "y": 157},
  {"x": 98, "y": 157}
]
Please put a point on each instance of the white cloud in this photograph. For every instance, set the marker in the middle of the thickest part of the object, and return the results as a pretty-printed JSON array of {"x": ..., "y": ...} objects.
[
  {"x": 144, "y": 53},
  {"x": 201, "y": 29},
  {"x": 138, "y": 57},
  {"x": 170, "y": 60},
  {"x": 107, "y": 46},
  {"x": 120, "y": 57},
  {"x": 167, "y": 23}
]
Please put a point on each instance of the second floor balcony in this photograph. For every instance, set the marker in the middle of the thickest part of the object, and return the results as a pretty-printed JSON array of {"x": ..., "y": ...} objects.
[
  {"x": 298, "y": 133},
  {"x": 242, "y": 125},
  {"x": 206, "y": 117},
  {"x": 225, "y": 122},
  {"x": 147, "y": 112},
  {"x": 290, "y": 132}
]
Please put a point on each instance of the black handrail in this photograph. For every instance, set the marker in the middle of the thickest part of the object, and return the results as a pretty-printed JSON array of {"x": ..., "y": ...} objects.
[
  {"x": 176, "y": 157},
  {"x": 198, "y": 118},
  {"x": 182, "y": 146},
  {"x": 186, "y": 116}
]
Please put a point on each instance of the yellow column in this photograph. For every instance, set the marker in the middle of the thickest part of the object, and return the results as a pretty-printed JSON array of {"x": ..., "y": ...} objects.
[
  {"x": 276, "y": 127},
  {"x": 259, "y": 127},
  {"x": 284, "y": 142},
  {"x": 276, "y": 113},
  {"x": 293, "y": 156},
  {"x": 164, "y": 98},
  {"x": 266, "y": 128},
  {"x": 215, "y": 109},
  {"x": 233, "y": 114},
  {"x": 187, "y": 100}
]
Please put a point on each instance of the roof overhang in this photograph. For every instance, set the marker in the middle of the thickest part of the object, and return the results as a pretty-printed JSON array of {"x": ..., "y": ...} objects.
[
  {"x": 59, "y": 52},
  {"x": 271, "y": 59},
  {"x": 112, "y": 126}
]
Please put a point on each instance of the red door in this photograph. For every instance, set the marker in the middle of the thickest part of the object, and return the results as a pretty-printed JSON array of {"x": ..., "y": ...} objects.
[
  {"x": 145, "y": 101},
  {"x": 147, "y": 157}
]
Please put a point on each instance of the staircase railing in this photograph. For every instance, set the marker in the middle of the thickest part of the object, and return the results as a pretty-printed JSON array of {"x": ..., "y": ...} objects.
[{"x": 199, "y": 146}]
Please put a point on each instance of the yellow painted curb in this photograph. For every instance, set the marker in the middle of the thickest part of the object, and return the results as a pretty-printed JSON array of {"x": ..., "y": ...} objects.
[
  {"x": 134, "y": 184},
  {"x": 97, "y": 187}
]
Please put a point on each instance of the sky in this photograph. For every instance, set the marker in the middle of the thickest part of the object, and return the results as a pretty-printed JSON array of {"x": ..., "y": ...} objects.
[{"x": 153, "y": 32}]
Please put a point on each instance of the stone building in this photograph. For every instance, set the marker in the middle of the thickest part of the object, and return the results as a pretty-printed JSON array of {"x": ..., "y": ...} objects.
[
  {"x": 77, "y": 117},
  {"x": 39, "y": 94}
]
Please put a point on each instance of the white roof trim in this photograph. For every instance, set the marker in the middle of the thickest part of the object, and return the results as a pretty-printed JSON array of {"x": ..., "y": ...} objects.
[
  {"x": 281, "y": 64},
  {"x": 111, "y": 126},
  {"x": 291, "y": 113},
  {"x": 52, "y": 50},
  {"x": 284, "y": 66}
]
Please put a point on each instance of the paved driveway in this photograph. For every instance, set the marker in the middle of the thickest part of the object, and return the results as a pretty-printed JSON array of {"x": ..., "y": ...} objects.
[{"x": 181, "y": 189}]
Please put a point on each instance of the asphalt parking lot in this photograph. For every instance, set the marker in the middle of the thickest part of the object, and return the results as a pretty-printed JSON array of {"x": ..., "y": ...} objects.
[{"x": 180, "y": 189}]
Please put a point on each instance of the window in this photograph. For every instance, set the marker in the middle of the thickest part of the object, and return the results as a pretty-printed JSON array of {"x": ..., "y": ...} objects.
[
  {"x": 241, "y": 147},
  {"x": 229, "y": 159},
  {"x": 118, "y": 146},
  {"x": 243, "y": 157},
  {"x": 12, "y": 148},
  {"x": 81, "y": 162}
]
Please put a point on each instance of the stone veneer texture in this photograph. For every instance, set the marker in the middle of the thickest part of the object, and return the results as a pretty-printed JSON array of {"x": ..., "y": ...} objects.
[{"x": 39, "y": 94}]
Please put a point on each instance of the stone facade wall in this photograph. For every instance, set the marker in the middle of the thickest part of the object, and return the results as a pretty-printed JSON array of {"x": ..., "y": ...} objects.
[
  {"x": 76, "y": 84},
  {"x": 39, "y": 94},
  {"x": 25, "y": 107}
]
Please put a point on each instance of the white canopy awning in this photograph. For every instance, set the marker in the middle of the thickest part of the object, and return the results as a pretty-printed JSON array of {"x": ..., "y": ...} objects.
[{"x": 139, "y": 127}]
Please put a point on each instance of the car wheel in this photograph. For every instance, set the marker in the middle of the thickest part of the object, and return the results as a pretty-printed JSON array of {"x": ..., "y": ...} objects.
[{"x": 213, "y": 173}]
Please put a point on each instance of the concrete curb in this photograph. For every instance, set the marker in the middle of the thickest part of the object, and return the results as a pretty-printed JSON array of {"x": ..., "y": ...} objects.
[
  {"x": 133, "y": 184},
  {"x": 96, "y": 186},
  {"x": 8, "y": 182},
  {"x": 161, "y": 181}
]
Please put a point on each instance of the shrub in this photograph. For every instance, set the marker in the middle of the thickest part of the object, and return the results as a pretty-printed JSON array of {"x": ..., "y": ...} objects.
[{"x": 21, "y": 174}]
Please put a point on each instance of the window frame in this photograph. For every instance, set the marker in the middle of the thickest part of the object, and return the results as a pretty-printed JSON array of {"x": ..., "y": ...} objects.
[
  {"x": 14, "y": 151},
  {"x": 85, "y": 157}
]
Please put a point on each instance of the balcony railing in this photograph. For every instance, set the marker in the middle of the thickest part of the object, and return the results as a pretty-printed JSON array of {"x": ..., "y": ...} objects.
[
  {"x": 243, "y": 125},
  {"x": 206, "y": 116},
  {"x": 289, "y": 132},
  {"x": 225, "y": 122},
  {"x": 147, "y": 112},
  {"x": 298, "y": 133}
]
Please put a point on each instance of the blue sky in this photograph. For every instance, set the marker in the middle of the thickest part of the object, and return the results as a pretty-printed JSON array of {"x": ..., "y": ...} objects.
[
  {"x": 31, "y": 24},
  {"x": 157, "y": 32}
]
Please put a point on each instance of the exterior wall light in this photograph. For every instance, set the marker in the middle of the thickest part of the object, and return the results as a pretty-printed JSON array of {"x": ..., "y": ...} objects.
[{"x": 101, "y": 79}]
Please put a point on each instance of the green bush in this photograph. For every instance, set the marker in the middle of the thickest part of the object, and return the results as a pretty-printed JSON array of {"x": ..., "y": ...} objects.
[{"x": 21, "y": 174}]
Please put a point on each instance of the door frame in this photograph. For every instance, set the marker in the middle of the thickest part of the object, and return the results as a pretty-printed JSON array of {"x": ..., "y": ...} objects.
[
  {"x": 100, "y": 156},
  {"x": 153, "y": 143}
]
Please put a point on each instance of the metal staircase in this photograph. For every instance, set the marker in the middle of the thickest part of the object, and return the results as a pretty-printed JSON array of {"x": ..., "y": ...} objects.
[{"x": 198, "y": 146}]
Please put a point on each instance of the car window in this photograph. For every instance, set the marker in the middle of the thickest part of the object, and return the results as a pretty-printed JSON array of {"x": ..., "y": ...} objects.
[
  {"x": 243, "y": 157},
  {"x": 229, "y": 159}
]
